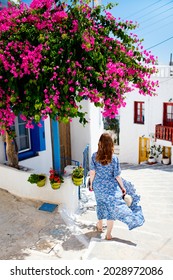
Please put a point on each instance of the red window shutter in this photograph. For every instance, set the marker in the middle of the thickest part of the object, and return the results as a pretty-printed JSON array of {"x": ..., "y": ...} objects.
[
  {"x": 139, "y": 112},
  {"x": 168, "y": 114}
]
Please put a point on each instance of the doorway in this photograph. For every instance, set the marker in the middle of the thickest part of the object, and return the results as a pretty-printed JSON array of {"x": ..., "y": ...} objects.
[
  {"x": 65, "y": 145},
  {"x": 144, "y": 146}
]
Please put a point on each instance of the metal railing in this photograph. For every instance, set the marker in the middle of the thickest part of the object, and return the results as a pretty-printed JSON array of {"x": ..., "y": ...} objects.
[
  {"x": 164, "y": 71},
  {"x": 86, "y": 162}
]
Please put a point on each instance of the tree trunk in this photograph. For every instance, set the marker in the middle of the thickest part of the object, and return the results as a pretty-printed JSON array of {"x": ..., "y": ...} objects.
[{"x": 11, "y": 151}]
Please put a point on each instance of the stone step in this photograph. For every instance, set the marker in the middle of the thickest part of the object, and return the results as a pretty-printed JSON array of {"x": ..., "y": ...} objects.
[
  {"x": 100, "y": 249},
  {"x": 140, "y": 243}
]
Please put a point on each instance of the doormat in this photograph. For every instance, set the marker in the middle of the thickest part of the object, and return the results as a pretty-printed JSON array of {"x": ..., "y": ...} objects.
[{"x": 48, "y": 207}]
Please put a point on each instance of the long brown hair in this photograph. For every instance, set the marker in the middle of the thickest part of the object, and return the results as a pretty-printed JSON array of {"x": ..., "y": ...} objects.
[{"x": 105, "y": 149}]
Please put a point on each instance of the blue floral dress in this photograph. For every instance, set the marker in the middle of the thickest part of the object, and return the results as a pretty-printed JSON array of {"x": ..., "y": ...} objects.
[{"x": 110, "y": 204}]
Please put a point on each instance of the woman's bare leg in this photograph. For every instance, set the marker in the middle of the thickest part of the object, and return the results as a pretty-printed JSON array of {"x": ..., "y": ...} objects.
[
  {"x": 99, "y": 225},
  {"x": 110, "y": 224}
]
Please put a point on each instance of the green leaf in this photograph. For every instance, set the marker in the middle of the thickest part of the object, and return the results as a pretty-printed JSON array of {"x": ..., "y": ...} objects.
[{"x": 65, "y": 89}]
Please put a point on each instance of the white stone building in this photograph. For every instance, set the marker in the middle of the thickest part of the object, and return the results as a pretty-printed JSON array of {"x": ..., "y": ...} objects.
[
  {"x": 146, "y": 117},
  {"x": 41, "y": 149}
]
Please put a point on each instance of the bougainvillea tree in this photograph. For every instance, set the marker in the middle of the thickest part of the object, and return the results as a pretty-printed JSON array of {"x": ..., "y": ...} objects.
[{"x": 54, "y": 55}]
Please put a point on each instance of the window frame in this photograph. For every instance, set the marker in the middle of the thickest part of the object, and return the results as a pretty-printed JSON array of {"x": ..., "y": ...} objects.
[
  {"x": 166, "y": 121},
  {"x": 16, "y": 126},
  {"x": 139, "y": 110},
  {"x": 37, "y": 142}
]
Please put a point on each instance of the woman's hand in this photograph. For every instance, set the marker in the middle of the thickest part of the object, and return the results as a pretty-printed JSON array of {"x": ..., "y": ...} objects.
[
  {"x": 123, "y": 190},
  {"x": 120, "y": 182},
  {"x": 90, "y": 188}
]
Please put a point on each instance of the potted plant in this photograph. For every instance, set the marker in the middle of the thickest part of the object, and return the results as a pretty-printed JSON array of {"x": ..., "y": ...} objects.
[
  {"x": 39, "y": 179},
  {"x": 78, "y": 175},
  {"x": 55, "y": 179},
  {"x": 154, "y": 153}
]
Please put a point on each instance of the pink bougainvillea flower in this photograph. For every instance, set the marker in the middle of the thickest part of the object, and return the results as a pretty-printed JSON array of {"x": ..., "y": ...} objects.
[{"x": 54, "y": 56}]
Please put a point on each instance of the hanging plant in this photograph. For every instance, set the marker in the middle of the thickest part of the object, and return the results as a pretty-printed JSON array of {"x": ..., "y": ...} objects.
[
  {"x": 55, "y": 179},
  {"x": 78, "y": 175}
]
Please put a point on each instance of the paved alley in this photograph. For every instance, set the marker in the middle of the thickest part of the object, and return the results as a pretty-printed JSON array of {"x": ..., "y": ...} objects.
[{"x": 30, "y": 234}]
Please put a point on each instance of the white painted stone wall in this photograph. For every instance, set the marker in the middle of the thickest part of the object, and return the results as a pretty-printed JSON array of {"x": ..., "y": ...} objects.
[
  {"x": 130, "y": 132},
  {"x": 80, "y": 137},
  {"x": 88, "y": 134},
  {"x": 15, "y": 181}
]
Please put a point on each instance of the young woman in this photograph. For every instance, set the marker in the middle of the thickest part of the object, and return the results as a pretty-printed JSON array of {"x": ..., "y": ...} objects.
[{"x": 109, "y": 189}]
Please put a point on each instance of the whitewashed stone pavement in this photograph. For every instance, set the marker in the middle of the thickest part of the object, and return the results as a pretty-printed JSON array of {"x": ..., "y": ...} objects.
[
  {"x": 154, "y": 240},
  {"x": 28, "y": 233}
]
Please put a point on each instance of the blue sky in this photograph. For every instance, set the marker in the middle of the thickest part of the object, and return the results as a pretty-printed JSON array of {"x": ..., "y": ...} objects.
[{"x": 155, "y": 18}]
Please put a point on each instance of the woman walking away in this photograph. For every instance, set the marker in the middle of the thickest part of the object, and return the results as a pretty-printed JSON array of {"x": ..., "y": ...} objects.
[{"x": 109, "y": 189}]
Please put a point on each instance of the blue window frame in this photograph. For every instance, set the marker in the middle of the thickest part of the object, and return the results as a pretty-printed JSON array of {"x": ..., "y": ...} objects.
[
  {"x": 23, "y": 140},
  {"x": 29, "y": 141}
]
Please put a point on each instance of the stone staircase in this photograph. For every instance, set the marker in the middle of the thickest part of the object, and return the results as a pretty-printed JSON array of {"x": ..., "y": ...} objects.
[{"x": 152, "y": 241}]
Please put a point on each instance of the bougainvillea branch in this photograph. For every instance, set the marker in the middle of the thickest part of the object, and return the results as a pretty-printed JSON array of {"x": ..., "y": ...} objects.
[{"x": 54, "y": 55}]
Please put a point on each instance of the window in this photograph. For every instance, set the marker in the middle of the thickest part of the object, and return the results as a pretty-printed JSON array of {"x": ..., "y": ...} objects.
[
  {"x": 22, "y": 135},
  {"x": 139, "y": 112},
  {"x": 168, "y": 114},
  {"x": 29, "y": 141}
]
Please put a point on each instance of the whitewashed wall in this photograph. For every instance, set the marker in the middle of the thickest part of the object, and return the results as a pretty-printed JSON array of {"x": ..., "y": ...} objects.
[
  {"x": 96, "y": 127},
  {"x": 130, "y": 132},
  {"x": 15, "y": 181},
  {"x": 80, "y": 137},
  {"x": 88, "y": 134}
]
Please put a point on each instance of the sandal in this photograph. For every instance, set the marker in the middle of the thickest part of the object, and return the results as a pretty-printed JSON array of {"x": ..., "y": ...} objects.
[{"x": 98, "y": 228}]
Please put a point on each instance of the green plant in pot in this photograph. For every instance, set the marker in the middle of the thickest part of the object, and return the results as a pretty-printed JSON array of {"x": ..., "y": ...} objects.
[
  {"x": 154, "y": 153},
  {"x": 78, "y": 175},
  {"x": 39, "y": 179},
  {"x": 55, "y": 179}
]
